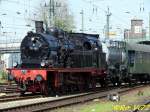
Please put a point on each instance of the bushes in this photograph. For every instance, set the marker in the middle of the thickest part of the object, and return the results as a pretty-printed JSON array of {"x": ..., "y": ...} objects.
[{"x": 3, "y": 75}]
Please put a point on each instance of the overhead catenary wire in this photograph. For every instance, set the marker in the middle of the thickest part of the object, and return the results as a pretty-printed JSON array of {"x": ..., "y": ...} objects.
[{"x": 122, "y": 20}]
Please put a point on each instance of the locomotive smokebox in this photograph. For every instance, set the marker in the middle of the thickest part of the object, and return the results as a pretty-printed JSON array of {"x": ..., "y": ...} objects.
[{"x": 39, "y": 26}]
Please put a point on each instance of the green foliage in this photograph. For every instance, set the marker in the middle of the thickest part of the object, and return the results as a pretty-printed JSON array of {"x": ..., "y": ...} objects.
[
  {"x": 3, "y": 75},
  {"x": 66, "y": 24},
  {"x": 60, "y": 17}
]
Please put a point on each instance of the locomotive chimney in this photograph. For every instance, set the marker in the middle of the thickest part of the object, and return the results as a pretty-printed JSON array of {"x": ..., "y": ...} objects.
[{"x": 39, "y": 26}]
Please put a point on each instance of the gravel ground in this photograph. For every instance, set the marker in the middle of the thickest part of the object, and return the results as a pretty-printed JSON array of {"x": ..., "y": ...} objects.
[
  {"x": 31, "y": 101},
  {"x": 134, "y": 97}
]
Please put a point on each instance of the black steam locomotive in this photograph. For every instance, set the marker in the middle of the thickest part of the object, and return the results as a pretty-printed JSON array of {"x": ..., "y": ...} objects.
[{"x": 56, "y": 61}]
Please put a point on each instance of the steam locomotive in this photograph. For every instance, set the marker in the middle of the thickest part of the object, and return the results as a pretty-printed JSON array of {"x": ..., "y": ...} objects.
[{"x": 56, "y": 62}]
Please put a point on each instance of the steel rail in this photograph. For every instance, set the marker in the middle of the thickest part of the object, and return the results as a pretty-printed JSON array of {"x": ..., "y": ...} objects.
[{"x": 60, "y": 102}]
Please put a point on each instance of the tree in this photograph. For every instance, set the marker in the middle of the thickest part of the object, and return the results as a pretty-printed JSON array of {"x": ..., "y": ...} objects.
[
  {"x": 56, "y": 13},
  {"x": 65, "y": 24}
]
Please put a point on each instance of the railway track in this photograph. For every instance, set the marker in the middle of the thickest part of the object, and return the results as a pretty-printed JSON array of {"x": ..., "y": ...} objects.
[
  {"x": 143, "y": 106},
  {"x": 17, "y": 97},
  {"x": 5, "y": 88},
  {"x": 40, "y": 105}
]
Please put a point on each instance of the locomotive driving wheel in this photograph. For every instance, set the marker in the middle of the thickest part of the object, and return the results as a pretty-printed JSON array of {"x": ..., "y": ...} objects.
[{"x": 44, "y": 88}]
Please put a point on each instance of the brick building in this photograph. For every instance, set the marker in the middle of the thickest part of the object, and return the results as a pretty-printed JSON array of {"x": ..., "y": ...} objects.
[{"x": 136, "y": 30}]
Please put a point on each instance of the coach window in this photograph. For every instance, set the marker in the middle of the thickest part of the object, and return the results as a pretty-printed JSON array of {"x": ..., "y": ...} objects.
[{"x": 131, "y": 55}]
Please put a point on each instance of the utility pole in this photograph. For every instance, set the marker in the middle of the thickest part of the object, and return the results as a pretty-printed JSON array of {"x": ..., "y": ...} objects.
[
  {"x": 82, "y": 24},
  {"x": 51, "y": 12},
  {"x": 0, "y": 27},
  {"x": 108, "y": 14},
  {"x": 149, "y": 25}
]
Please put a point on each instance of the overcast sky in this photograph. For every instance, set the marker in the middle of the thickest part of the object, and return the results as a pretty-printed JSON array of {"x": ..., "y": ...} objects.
[{"x": 15, "y": 15}]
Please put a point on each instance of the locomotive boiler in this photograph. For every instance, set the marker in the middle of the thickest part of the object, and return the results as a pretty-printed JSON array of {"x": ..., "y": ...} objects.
[
  {"x": 55, "y": 62},
  {"x": 46, "y": 50}
]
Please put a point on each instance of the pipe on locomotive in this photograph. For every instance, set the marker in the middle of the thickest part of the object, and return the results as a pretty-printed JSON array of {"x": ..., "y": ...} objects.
[
  {"x": 59, "y": 33},
  {"x": 39, "y": 26}
]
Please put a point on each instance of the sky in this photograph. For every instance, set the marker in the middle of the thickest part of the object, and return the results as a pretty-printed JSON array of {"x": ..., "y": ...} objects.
[
  {"x": 17, "y": 16},
  {"x": 122, "y": 12}
]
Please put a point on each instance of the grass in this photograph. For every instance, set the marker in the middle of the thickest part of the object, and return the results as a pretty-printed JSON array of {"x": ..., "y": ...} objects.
[
  {"x": 107, "y": 106},
  {"x": 99, "y": 107}
]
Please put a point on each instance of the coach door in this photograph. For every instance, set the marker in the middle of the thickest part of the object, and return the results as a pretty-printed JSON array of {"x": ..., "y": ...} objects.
[{"x": 131, "y": 58}]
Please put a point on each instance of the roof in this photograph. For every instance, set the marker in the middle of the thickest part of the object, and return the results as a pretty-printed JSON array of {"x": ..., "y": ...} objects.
[
  {"x": 84, "y": 34},
  {"x": 144, "y": 42},
  {"x": 138, "y": 47},
  {"x": 136, "y": 19}
]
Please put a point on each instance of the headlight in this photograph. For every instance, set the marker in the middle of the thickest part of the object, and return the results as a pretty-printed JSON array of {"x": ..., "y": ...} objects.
[
  {"x": 32, "y": 39},
  {"x": 96, "y": 49},
  {"x": 39, "y": 78},
  {"x": 43, "y": 64},
  {"x": 15, "y": 64}
]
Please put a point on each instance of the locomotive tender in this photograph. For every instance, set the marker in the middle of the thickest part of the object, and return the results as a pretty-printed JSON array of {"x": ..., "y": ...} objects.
[
  {"x": 58, "y": 62},
  {"x": 116, "y": 58}
]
